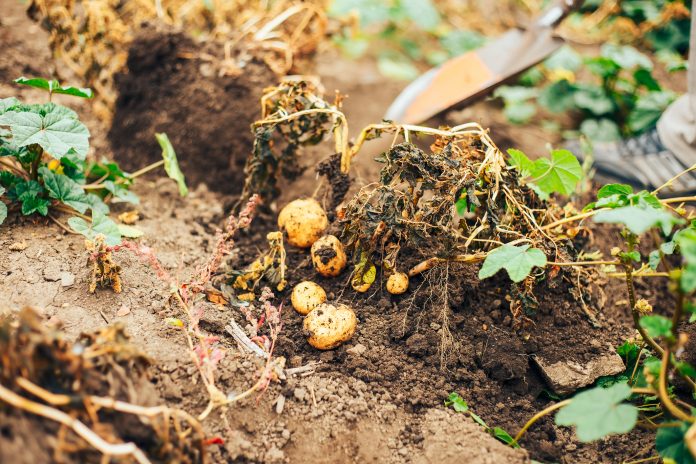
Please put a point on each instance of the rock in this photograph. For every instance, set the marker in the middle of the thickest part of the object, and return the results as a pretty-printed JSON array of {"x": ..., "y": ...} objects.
[
  {"x": 357, "y": 349},
  {"x": 18, "y": 246},
  {"x": 124, "y": 310},
  {"x": 565, "y": 377},
  {"x": 300, "y": 393},
  {"x": 67, "y": 279},
  {"x": 52, "y": 272},
  {"x": 275, "y": 455}
]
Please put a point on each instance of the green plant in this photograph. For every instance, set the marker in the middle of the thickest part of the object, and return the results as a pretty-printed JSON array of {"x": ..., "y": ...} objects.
[
  {"x": 622, "y": 99},
  {"x": 406, "y": 32},
  {"x": 460, "y": 405},
  {"x": 44, "y": 166},
  {"x": 644, "y": 393}
]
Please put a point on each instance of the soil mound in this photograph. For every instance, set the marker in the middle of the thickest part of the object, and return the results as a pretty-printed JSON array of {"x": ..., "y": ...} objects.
[{"x": 174, "y": 85}]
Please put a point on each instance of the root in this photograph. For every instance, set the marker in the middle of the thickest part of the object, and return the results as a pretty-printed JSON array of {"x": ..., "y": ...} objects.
[{"x": 84, "y": 432}]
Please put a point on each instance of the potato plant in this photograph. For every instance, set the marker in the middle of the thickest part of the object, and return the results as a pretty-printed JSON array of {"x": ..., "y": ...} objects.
[
  {"x": 646, "y": 392},
  {"x": 44, "y": 167}
]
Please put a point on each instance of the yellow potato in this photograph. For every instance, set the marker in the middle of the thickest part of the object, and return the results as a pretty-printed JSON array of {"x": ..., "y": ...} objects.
[
  {"x": 328, "y": 256},
  {"x": 306, "y": 296},
  {"x": 329, "y": 326},
  {"x": 397, "y": 283},
  {"x": 304, "y": 221}
]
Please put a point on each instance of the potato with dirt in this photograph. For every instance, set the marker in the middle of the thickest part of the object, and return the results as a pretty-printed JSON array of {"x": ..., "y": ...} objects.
[
  {"x": 328, "y": 326},
  {"x": 397, "y": 283},
  {"x": 328, "y": 256},
  {"x": 306, "y": 296},
  {"x": 304, "y": 221}
]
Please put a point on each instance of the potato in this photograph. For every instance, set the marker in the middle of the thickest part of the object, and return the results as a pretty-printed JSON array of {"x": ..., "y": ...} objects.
[
  {"x": 328, "y": 326},
  {"x": 397, "y": 283},
  {"x": 328, "y": 256},
  {"x": 304, "y": 221},
  {"x": 306, "y": 296}
]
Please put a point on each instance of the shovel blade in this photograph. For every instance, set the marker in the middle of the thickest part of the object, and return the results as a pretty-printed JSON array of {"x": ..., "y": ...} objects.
[{"x": 465, "y": 78}]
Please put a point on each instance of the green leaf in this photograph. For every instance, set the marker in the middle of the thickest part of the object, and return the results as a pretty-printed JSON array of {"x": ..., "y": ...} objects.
[
  {"x": 32, "y": 205},
  {"x": 648, "y": 110},
  {"x": 478, "y": 420},
  {"x": 521, "y": 162},
  {"x": 656, "y": 326},
  {"x": 97, "y": 204},
  {"x": 3, "y": 206},
  {"x": 54, "y": 129},
  {"x": 614, "y": 189},
  {"x": 397, "y": 68},
  {"x": 560, "y": 174},
  {"x": 505, "y": 437},
  {"x": 672, "y": 60},
  {"x": 65, "y": 190},
  {"x": 519, "y": 112},
  {"x": 121, "y": 192},
  {"x": 654, "y": 259},
  {"x": 593, "y": 99},
  {"x": 670, "y": 444},
  {"x": 171, "y": 164},
  {"x": 626, "y": 56},
  {"x": 558, "y": 97},
  {"x": 30, "y": 194},
  {"x": 639, "y": 219},
  {"x": 423, "y": 13},
  {"x": 645, "y": 78},
  {"x": 685, "y": 368},
  {"x": 100, "y": 224},
  {"x": 515, "y": 93},
  {"x": 457, "y": 402},
  {"x": 518, "y": 261},
  {"x": 54, "y": 86},
  {"x": 7, "y": 103},
  {"x": 564, "y": 58},
  {"x": 600, "y": 130},
  {"x": 599, "y": 412},
  {"x": 130, "y": 231},
  {"x": 460, "y": 41}
]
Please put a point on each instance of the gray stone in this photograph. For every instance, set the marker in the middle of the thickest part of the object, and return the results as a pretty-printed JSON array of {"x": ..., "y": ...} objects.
[
  {"x": 67, "y": 279},
  {"x": 565, "y": 377}
]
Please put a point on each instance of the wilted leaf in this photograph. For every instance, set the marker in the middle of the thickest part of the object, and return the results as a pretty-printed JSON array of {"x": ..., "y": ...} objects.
[{"x": 171, "y": 164}]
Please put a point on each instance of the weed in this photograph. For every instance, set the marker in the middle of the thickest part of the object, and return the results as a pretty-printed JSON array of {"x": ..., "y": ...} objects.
[{"x": 44, "y": 167}]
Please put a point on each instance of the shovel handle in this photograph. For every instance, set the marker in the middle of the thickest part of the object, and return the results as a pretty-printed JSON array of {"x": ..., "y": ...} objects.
[{"x": 552, "y": 16}]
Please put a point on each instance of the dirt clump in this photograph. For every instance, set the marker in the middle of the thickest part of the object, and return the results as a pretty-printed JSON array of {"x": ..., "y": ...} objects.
[{"x": 175, "y": 85}]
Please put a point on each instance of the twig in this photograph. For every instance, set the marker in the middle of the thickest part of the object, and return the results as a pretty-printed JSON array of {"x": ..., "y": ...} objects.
[{"x": 87, "y": 434}]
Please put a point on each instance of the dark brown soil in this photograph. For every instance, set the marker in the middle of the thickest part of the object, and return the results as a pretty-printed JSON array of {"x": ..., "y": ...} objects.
[
  {"x": 378, "y": 398},
  {"x": 172, "y": 87}
]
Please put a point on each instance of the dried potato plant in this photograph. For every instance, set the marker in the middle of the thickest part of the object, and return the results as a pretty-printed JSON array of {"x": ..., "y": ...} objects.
[
  {"x": 91, "y": 38},
  {"x": 293, "y": 114},
  {"x": 91, "y": 388}
]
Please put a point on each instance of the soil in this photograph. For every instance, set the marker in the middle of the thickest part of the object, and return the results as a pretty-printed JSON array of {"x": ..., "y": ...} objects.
[
  {"x": 378, "y": 398},
  {"x": 174, "y": 85}
]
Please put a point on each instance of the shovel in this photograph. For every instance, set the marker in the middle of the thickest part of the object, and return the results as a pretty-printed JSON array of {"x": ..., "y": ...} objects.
[{"x": 465, "y": 78}]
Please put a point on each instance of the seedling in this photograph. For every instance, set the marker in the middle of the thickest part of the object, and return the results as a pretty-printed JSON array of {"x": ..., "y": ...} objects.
[{"x": 44, "y": 167}]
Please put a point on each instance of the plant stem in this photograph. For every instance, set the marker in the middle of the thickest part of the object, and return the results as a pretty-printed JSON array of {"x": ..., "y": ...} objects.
[
  {"x": 634, "y": 312},
  {"x": 587, "y": 214},
  {"x": 147, "y": 169},
  {"x": 666, "y": 401},
  {"x": 582, "y": 263},
  {"x": 539, "y": 415}
]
